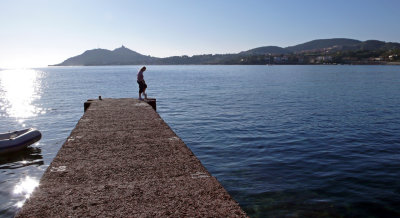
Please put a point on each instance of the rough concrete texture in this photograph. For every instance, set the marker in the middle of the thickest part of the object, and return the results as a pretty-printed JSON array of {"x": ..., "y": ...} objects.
[{"x": 123, "y": 160}]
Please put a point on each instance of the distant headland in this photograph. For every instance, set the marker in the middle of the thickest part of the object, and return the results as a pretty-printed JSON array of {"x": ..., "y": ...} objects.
[{"x": 320, "y": 51}]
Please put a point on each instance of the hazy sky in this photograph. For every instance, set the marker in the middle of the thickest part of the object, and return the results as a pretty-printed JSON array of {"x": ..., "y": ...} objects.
[{"x": 39, "y": 32}]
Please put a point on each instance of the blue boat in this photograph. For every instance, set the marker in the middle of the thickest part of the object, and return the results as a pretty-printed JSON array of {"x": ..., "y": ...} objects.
[{"x": 17, "y": 140}]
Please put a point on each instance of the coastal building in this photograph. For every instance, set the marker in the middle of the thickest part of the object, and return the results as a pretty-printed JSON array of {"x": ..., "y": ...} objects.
[
  {"x": 281, "y": 60},
  {"x": 393, "y": 57},
  {"x": 324, "y": 58}
]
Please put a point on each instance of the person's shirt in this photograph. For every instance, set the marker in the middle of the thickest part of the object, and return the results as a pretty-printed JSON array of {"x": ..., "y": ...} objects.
[{"x": 140, "y": 76}]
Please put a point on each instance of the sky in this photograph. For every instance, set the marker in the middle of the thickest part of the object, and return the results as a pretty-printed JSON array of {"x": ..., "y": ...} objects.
[{"x": 42, "y": 32}]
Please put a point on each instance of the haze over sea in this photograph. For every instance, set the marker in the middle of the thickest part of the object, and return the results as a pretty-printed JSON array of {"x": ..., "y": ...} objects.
[{"x": 283, "y": 140}]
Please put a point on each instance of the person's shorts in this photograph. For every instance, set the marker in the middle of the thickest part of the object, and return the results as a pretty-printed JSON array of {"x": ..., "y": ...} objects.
[{"x": 142, "y": 85}]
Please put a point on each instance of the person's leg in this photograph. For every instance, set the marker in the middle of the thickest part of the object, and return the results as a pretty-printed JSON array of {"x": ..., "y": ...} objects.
[
  {"x": 144, "y": 90},
  {"x": 140, "y": 90},
  {"x": 144, "y": 93}
]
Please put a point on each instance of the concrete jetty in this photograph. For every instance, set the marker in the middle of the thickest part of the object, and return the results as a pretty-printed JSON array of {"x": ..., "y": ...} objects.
[{"x": 123, "y": 160}]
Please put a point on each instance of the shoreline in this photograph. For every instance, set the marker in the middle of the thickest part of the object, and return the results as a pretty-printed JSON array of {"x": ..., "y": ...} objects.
[{"x": 355, "y": 64}]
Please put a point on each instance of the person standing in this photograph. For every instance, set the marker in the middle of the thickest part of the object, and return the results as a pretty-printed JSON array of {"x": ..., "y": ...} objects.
[{"x": 142, "y": 83}]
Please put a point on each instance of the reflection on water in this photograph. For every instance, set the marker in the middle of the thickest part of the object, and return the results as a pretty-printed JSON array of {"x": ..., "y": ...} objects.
[
  {"x": 17, "y": 178},
  {"x": 29, "y": 156},
  {"x": 18, "y": 90},
  {"x": 25, "y": 188}
]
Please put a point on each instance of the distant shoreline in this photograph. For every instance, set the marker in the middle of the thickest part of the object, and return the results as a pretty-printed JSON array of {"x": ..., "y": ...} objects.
[
  {"x": 326, "y": 64},
  {"x": 316, "y": 52}
]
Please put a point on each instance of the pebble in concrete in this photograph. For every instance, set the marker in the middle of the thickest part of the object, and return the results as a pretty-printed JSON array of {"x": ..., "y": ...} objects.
[{"x": 123, "y": 160}]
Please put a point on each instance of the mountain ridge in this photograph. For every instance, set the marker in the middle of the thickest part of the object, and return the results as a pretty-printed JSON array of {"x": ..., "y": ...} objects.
[{"x": 341, "y": 46}]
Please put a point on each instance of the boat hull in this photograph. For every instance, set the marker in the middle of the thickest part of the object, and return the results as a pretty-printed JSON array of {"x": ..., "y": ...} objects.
[{"x": 15, "y": 141}]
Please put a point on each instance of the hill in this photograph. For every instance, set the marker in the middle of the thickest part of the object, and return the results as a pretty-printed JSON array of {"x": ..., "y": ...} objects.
[
  {"x": 321, "y": 44},
  {"x": 374, "y": 45},
  {"x": 119, "y": 56},
  {"x": 266, "y": 50}
]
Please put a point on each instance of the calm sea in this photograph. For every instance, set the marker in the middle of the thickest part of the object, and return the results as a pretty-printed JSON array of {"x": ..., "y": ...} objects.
[{"x": 283, "y": 140}]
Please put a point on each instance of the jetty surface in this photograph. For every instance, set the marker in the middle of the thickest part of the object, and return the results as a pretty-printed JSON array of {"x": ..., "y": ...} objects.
[{"x": 123, "y": 160}]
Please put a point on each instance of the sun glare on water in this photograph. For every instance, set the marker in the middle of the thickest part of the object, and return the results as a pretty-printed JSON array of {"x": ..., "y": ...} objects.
[
  {"x": 18, "y": 91},
  {"x": 25, "y": 188}
]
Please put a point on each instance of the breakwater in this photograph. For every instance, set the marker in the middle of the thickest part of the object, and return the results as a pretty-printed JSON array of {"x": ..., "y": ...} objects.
[{"x": 122, "y": 159}]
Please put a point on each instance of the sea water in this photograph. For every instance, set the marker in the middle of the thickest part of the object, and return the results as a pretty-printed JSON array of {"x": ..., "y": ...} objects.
[{"x": 283, "y": 140}]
